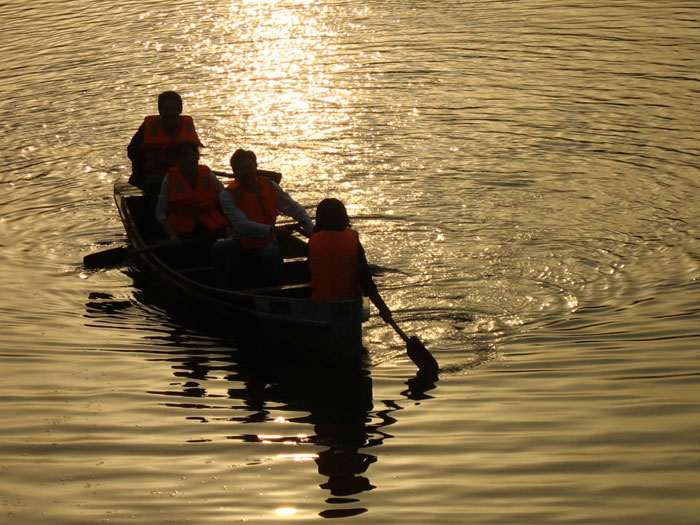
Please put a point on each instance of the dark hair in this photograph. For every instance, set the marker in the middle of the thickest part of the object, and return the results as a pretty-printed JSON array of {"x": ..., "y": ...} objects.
[
  {"x": 331, "y": 215},
  {"x": 240, "y": 156},
  {"x": 169, "y": 95}
]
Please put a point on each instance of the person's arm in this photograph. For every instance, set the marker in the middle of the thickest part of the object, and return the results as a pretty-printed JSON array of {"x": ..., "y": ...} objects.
[
  {"x": 162, "y": 208},
  {"x": 224, "y": 174},
  {"x": 217, "y": 183},
  {"x": 134, "y": 149},
  {"x": 369, "y": 288},
  {"x": 293, "y": 209},
  {"x": 135, "y": 153},
  {"x": 240, "y": 223}
]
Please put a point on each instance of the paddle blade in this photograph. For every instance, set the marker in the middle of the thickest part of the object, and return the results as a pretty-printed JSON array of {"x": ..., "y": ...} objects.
[
  {"x": 376, "y": 270},
  {"x": 106, "y": 258},
  {"x": 420, "y": 356}
]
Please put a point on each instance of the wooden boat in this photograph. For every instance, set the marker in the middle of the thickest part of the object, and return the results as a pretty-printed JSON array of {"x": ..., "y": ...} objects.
[{"x": 284, "y": 314}]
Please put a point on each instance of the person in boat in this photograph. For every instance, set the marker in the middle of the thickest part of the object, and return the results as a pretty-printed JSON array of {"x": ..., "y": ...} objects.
[
  {"x": 337, "y": 260},
  {"x": 152, "y": 148},
  {"x": 252, "y": 204},
  {"x": 188, "y": 202}
]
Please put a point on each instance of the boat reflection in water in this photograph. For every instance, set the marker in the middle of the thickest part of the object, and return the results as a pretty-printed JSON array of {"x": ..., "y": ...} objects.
[
  {"x": 338, "y": 405},
  {"x": 270, "y": 385}
]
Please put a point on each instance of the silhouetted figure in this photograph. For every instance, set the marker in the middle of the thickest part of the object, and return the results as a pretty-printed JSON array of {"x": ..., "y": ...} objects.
[
  {"x": 188, "y": 202},
  {"x": 337, "y": 260},
  {"x": 252, "y": 203},
  {"x": 152, "y": 148}
]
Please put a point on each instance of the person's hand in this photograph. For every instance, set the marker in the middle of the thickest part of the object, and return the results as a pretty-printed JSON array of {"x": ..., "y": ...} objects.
[
  {"x": 305, "y": 231},
  {"x": 283, "y": 231},
  {"x": 169, "y": 232}
]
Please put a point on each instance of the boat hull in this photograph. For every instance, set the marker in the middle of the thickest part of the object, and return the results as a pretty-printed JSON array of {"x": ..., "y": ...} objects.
[{"x": 283, "y": 315}]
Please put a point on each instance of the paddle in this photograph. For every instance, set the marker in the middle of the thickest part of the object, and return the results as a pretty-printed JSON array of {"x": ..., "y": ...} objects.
[
  {"x": 375, "y": 269},
  {"x": 417, "y": 351},
  {"x": 116, "y": 256}
]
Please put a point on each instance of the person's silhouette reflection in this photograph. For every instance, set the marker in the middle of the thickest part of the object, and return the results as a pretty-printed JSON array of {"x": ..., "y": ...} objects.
[{"x": 340, "y": 423}]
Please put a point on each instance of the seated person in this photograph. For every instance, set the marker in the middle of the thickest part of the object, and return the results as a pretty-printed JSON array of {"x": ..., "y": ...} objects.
[
  {"x": 252, "y": 203},
  {"x": 188, "y": 203},
  {"x": 337, "y": 260},
  {"x": 151, "y": 149}
]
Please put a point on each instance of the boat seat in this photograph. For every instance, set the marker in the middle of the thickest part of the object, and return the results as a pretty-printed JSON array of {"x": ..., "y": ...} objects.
[
  {"x": 284, "y": 290},
  {"x": 292, "y": 262}
]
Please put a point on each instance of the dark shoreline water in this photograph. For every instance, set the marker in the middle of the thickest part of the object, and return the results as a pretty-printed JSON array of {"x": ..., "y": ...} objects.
[{"x": 532, "y": 170}]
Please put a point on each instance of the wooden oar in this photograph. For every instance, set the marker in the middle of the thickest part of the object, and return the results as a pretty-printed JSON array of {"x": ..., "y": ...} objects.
[
  {"x": 116, "y": 256},
  {"x": 106, "y": 258},
  {"x": 417, "y": 351},
  {"x": 375, "y": 269}
]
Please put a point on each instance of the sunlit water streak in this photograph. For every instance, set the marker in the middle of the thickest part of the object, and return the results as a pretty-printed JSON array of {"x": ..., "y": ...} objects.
[{"x": 529, "y": 167}]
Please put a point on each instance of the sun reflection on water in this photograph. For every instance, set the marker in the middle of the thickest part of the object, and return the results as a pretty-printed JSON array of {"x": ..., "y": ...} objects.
[
  {"x": 285, "y": 512},
  {"x": 284, "y": 90},
  {"x": 277, "y": 85},
  {"x": 280, "y": 82}
]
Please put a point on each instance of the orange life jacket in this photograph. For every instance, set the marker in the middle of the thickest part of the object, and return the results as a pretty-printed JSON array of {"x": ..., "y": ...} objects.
[
  {"x": 188, "y": 205},
  {"x": 159, "y": 146},
  {"x": 258, "y": 207},
  {"x": 333, "y": 261}
]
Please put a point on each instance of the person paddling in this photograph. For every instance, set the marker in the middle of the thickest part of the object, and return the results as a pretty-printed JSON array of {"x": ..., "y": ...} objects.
[
  {"x": 339, "y": 270},
  {"x": 152, "y": 148},
  {"x": 337, "y": 260}
]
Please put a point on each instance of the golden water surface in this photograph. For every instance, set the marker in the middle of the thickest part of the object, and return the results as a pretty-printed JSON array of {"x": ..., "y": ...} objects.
[{"x": 530, "y": 167}]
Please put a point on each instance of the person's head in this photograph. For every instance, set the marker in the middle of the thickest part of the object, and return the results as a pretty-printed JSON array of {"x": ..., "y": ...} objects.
[
  {"x": 187, "y": 155},
  {"x": 244, "y": 164},
  {"x": 169, "y": 106},
  {"x": 331, "y": 215}
]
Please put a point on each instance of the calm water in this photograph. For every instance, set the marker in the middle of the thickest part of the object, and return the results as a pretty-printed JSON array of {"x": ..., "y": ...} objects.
[{"x": 531, "y": 167}]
